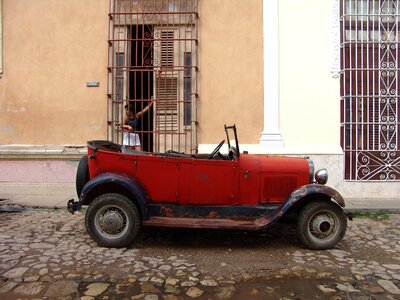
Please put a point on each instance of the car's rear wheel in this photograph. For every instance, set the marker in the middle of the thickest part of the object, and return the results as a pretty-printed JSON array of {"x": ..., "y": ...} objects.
[
  {"x": 113, "y": 220},
  {"x": 82, "y": 174},
  {"x": 321, "y": 225}
]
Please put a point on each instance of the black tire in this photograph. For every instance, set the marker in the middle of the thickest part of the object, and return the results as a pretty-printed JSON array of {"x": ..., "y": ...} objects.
[
  {"x": 82, "y": 174},
  {"x": 321, "y": 225},
  {"x": 112, "y": 220}
]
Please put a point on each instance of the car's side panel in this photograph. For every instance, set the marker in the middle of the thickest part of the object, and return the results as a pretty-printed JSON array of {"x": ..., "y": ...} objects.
[
  {"x": 166, "y": 178},
  {"x": 104, "y": 161},
  {"x": 160, "y": 177},
  {"x": 184, "y": 189},
  {"x": 212, "y": 182},
  {"x": 249, "y": 179},
  {"x": 268, "y": 179},
  {"x": 280, "y": 176}
]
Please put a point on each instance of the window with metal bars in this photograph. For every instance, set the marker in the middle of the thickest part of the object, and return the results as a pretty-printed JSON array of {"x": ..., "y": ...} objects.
[
  {"x": 370, "y": 89},
  {"x": 150, "y": 42}
]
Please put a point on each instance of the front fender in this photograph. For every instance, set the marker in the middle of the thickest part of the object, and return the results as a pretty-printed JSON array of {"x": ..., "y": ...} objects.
[
  {"x": 297, "y": 195},
  {"x": 313, "y": 189},
  {"x": 115, "y": 183}
]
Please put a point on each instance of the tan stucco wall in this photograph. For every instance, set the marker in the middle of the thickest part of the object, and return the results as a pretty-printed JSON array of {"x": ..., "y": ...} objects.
[
  {"x": 51, "y": 49},
  {"x": 231, "y": 70},
  {"x": 49, "y": 57}
]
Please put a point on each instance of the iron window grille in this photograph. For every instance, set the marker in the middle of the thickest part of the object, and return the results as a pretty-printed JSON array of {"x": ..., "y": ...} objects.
[
  {"x": 153, "y": 56},
  {"x": 370, "y": 89}
]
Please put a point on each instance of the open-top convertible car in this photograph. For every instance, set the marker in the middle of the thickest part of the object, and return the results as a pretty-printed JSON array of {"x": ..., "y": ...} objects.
[{"x": 126, "y": 189}]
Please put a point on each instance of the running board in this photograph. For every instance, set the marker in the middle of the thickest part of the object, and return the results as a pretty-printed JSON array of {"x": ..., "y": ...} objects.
[{"x": 248, "y": 223}]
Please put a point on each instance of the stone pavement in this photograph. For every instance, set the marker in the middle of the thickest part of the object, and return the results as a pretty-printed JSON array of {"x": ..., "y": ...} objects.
[
  {"x": 56, "y": 195},
  {"x": 47, "y": 254}
]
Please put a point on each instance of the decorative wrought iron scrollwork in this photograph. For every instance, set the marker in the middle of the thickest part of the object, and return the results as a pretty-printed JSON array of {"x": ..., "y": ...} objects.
[
  {"x": 371, "y": 111},
  {"x": 378, "y": 165}
]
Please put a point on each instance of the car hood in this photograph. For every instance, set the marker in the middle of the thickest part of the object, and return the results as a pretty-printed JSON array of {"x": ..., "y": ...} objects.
[{"x": 275, "y": 164}]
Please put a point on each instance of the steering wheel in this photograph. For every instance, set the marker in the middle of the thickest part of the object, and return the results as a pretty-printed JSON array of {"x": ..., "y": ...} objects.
[{"x": 216, "y": 150}]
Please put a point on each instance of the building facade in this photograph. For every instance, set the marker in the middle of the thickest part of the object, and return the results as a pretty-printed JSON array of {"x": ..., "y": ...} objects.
[{"x": 304, "y": 78}]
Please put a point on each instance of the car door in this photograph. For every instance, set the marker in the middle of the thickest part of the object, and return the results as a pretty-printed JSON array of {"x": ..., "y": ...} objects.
[
  {"x": 159, "y": 176},
  {"x": 212, "y": 182}
]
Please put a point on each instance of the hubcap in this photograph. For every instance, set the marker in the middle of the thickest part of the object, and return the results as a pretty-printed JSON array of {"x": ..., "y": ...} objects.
[
  {"x": 322, "y": 225},
  {"x": 111, "y": 222}
]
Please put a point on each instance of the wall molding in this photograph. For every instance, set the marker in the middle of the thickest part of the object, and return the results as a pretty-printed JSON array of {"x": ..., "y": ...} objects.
[{"x": 42, "y": 152}]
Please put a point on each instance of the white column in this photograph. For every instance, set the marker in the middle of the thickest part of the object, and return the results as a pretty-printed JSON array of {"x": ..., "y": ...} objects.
[
  {"x": 271, "y": 136},
  {"x": 335, "y": 37}
]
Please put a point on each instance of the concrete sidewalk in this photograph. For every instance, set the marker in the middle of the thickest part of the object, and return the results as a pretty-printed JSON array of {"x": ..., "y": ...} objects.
[
  {"x": 56, "y": 195},
  {"x": 51, "y": 195}
]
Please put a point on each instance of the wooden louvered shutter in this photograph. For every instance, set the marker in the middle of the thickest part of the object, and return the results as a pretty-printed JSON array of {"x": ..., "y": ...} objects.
[
  {"x": 167, "y": 104},
  {"x": 166, "y": 84}
]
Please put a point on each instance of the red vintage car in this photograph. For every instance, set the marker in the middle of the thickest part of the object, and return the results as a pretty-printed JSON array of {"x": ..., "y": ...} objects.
[{"x": 126, "y": 189}]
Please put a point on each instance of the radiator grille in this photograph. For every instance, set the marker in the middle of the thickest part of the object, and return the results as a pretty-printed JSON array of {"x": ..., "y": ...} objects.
[{"x": 278, "y": 188}]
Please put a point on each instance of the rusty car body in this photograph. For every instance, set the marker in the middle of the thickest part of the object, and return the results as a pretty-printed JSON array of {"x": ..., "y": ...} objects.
[{"x": 126, "y": 189}]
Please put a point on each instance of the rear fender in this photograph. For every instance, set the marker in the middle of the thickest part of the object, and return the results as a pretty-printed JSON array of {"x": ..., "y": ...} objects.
[{"x": 115, "y": 183}]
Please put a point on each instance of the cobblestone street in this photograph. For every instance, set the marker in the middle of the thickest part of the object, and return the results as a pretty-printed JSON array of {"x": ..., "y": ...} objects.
[{"x": 48, "y": 254}]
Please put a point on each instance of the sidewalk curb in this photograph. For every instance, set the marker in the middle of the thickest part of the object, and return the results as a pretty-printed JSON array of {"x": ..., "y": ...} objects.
[{"x": 373, "y": 210}]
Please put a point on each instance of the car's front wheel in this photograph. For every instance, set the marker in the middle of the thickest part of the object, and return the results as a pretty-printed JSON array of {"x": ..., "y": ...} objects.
[
  {"x": 112, "y": 220},
  {"x": 321, "y": 225}
]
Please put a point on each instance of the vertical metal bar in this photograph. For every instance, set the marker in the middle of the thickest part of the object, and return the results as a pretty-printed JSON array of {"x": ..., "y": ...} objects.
[
  {"x": 126, "y": 66},
  {"x": 379, "y": 77},
  {"x": 368, "y": 68},
  {"x": 171, "y": 72},
  {"x": 361, "y": 70},
  {"x": 109, "y": 92},
  {"x": 351, "y": 84},
  {"x": 397, "y": 74},
  {"x": 374, "y": 74},
  {"x": 181, "y": 84},
  {"x": 121, "y": 46},
  {"x": 141, "y": 72},
  {"x": 113, "y": 73},
  {"x": 196, "y": 16},
  {"x": 149, "y": 74},
  {"x": 356, "y": 77},
  {"x": 343, "y": 74},
  {"x": 386, "y": 112},
  {"x": 161, "y": 100},
  {"x": 193, "y": 107}
]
